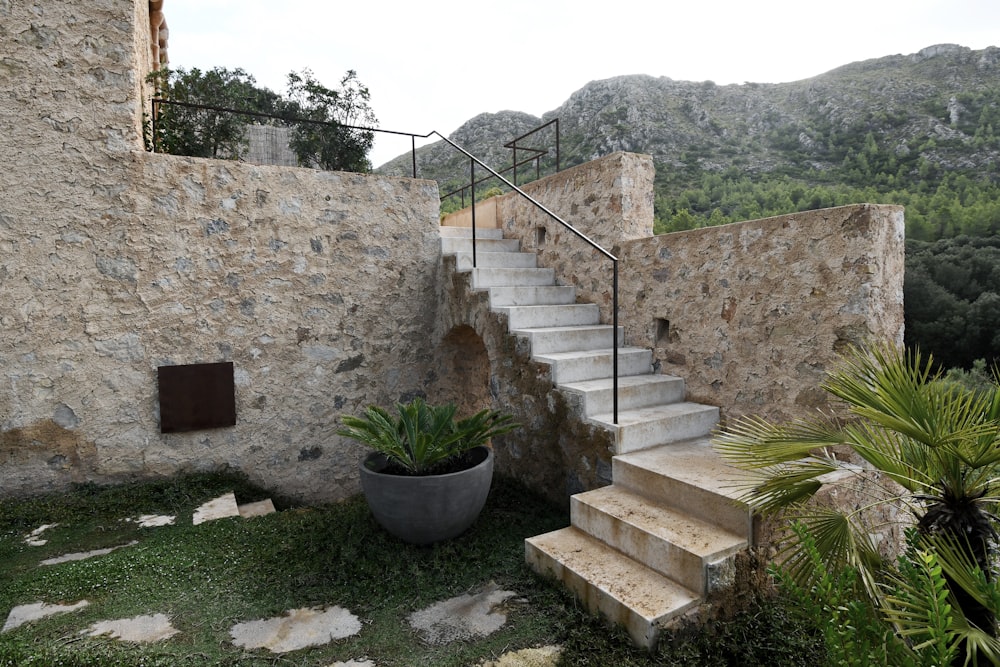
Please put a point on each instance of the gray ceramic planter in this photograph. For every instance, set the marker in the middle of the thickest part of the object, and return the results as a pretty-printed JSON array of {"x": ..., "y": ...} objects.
[{"x": 432, "y": 508}]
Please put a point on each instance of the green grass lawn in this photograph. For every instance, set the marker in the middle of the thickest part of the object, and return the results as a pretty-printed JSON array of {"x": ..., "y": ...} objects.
[{"x": 209, "y": 577}]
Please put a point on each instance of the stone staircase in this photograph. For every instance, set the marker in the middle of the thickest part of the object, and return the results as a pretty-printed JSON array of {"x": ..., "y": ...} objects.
[{"x": 664, "y": 534}]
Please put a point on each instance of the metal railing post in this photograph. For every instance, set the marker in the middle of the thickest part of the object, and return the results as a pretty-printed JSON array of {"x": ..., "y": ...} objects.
[
  {"x": 614, "y": 339},
  {"x": 472, "y": 174}
]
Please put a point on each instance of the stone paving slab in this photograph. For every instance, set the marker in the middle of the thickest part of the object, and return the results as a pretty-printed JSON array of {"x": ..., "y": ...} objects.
[
  {"x": 462, "y": 617},
  {"x": 298, "y": 628},
  {"x": 218, "y": 508},
  {"x": 140, "y": 629},
  {"x": 545, "y": 656},
  {"x": 260, "y": 508},
  {"x": 34, "y": 538},
  {"x": 83, "y": 555},
  {"x": 153, "y": 520},
  {"x": 26, "y": 613}
]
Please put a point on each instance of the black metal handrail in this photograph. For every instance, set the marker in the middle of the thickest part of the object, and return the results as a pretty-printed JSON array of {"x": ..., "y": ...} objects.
[
  {"x": 461, "y": 191},
  {"x": 288, "y": 119},
  {"x": 536, "y": 155},
  {"x": 538, "y": 152},
  {"x": 473, "y": 161}
]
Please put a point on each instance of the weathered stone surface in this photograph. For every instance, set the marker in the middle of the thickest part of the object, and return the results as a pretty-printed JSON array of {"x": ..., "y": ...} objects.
[
  {"x": 318, "y": 286},
  {"x": 218, "y": 508},
  {"x": 463, "y": 617},
  {"x": 84, "y": 555},
  {"x": 751, "y": 314},
  {"x": 26, "y": 613},
  {"x": 298, "y": 628},
  {"x": 544, "y": 656},
  {"x": 146, "y": 629}
]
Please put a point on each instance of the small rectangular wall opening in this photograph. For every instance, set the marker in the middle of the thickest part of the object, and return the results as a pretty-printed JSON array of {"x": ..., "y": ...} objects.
[
  {"x": 539, "y": 237},
  {"x": 662, "y": 332},
  {"x": 196, "y": 396}
]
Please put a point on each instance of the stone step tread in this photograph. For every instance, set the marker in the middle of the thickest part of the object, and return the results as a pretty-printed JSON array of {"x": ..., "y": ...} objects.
[
  {"x": 504, "y": 277},
  {"x": 582, "y": 328},
  {"x": 696, "y": 463},
  {"x": 452, "y": 246},
  {"x": 532, "y": 295},
  {"x": 629, "y": 381},
  {"x": 654, "y": 413},
  {"x": 466, "y": 232},
  {"x": 700, "y": 538},
  {"x": 631, "y": 584},
  {"x": 495, "y": 260}
]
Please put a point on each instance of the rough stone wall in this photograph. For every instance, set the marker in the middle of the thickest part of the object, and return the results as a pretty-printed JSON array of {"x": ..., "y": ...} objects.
[
  {"x": 610, "y": 200},
  {"x": 751, "y": 314},
  {"x": 319, "y": 287},
  {"x": 553, "y": 451}
]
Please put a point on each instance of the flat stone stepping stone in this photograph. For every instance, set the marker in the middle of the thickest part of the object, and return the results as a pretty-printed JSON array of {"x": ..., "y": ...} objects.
[
  {"x": 462, "y": 617},
  {"x": 26, "y": 613},
  {"x": 141, "y": 629},
  {"x": 298, "y": 628},
  {"x": 83, "y": 555},
  {"x": 545, "y": 656},
  {"x": 219, "y": 508},
  {"x": 260, "y": 508},
  {"x": 153, "y": 520},
  {"x": 354, "y": 663},
  {"x": 34, "y": 537}
]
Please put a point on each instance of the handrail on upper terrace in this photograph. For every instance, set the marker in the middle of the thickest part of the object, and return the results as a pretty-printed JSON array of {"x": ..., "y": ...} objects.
[{"x": 473, "y": 161}]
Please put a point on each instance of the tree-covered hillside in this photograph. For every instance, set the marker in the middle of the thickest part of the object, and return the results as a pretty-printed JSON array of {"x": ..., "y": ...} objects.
[{"x": 920, "y": 130}]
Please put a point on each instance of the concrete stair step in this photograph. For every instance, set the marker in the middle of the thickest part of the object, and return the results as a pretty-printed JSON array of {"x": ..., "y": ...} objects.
[
  {"x": 634, "y": 391},
  {"x": 452, "y": 245},
  {"x": 505, "y": 260},
  {"x": 608, "y": 582},
  {"x": 671, "y": 542},
  {"x": 690, "y": 476},
  {"x": 466, "y": 232},
  {"x": 568, "y": 368},
  {"x": 547, "y": 340},
  {"x": 659, "y": 424},
  {"x": 493, "y": 277},
  {"x": 530, "y": 317},
  {"x": 544, "y": 295}
]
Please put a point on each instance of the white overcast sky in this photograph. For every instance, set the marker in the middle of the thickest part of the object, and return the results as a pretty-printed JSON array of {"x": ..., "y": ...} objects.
[{"x": 433, "y": 65}]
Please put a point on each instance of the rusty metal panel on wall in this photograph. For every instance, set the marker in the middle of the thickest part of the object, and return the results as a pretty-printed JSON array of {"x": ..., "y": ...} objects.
[{"x": 196, "y": 396}]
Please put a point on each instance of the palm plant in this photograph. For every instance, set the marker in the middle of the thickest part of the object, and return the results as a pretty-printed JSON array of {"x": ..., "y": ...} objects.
[
  {"x": 421, "y": 437},
  {"x": 936, "y": 443}
]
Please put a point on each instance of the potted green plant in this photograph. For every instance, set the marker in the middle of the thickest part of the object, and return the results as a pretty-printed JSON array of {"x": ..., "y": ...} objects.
[{"x": 430, "y": 473}]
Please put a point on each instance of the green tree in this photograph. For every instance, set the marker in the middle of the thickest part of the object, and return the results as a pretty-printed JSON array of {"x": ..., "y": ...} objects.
[
  {"x": 199, "y": 131},
  {"x": 208, "y": 122},
  {"x": 936, "y": 441},
  {"x": 329, "y": 141}
]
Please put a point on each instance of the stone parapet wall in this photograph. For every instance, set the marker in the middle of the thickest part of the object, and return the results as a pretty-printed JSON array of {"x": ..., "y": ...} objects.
[{"x": 751, "y": 314}]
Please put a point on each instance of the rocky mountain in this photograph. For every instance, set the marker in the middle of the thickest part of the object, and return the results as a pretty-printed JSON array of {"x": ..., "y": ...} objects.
[{"x": 942, "y": 103}]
